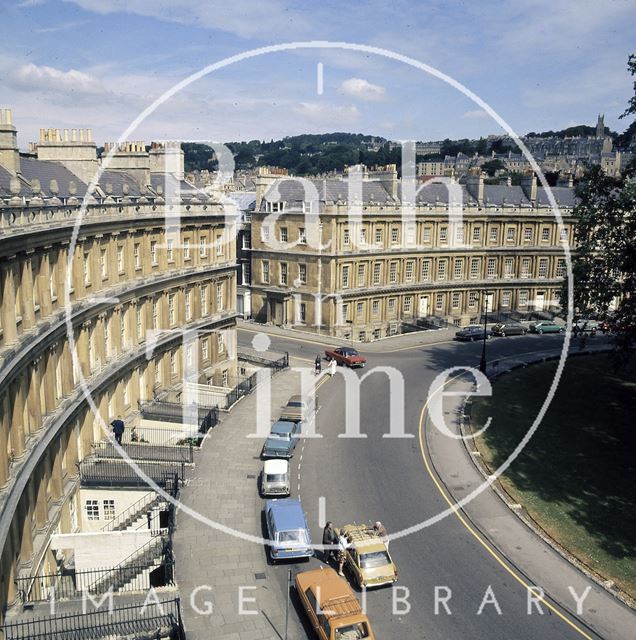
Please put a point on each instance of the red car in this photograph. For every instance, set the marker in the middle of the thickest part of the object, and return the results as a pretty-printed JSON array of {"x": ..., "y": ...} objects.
[{"x": 347, "y": 356}]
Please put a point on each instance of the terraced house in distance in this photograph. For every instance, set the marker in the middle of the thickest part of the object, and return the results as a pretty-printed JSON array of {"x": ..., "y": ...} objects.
[
  {"x": 380, "y": 274},
  {"x": 74, "y": 516}
]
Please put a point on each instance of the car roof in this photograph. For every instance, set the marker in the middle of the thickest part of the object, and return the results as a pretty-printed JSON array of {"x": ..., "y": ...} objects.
[
  {"x": 363, "y": 538},
  {"x": 296, "y": 398},
  {"x": 326, "y": 585},
  {"x": 276, "y": 466},
  {"x": 287, "y": 513},
  {"x": 283, "y": 426}
]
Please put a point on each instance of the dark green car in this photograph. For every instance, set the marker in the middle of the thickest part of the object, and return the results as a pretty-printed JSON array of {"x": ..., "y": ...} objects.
[{"x": 546, "y": 326}]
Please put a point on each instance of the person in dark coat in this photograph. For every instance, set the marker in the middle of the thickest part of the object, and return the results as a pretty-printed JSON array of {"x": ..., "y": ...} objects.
[
  {"x": 318, "y": 364},
  {"x": 118, "y": 429},
  {"x": 328, "y": 537}
]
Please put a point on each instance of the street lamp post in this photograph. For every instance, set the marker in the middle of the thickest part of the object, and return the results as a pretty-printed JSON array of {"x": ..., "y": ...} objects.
[{"x": 482, "y": 363}]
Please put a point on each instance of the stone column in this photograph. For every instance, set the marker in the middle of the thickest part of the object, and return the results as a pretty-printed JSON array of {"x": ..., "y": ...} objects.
[
  {"x": 26, "y": 292},
  {"x": 34, "y": 395},
  {"x": 42, "y": 502},
  {"x": 72, "y": 457},
  {"x": 67, "y": 367},
  {"x": 60, "y": 274},
  {"x": 7, "y": 309},
  {"x": 17, "y": 418},
  {"x": 133, "y": 389},
  {"x": 49, "y": 379},
  {"x": 82, "y": 349},
  {"x": 44, "y": 279},
  {"x": 57, "y": 481},
  {"x": 5, "y": 427},
  {"x": 26, "y": 535}
]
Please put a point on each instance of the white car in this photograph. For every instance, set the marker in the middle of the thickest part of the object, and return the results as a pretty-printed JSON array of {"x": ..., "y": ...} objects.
[{"x": 275, "y": 478}]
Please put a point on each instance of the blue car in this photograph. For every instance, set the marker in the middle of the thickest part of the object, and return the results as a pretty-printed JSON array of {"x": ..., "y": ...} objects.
[
  {"x": 282, "y": 440},
  {"x": 287, "y": 530},
  {"x": 472, "y": 332}
]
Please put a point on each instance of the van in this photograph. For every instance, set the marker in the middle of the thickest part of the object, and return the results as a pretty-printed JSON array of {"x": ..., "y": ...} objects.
[
  {"x": 333, "y": 610},
  {"x": 275, "y": 478},
  {"x": 287, "y": 530}
]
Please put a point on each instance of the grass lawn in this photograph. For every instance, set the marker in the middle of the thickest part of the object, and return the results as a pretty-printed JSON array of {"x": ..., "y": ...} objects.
[{"x": 577, "y": 475}]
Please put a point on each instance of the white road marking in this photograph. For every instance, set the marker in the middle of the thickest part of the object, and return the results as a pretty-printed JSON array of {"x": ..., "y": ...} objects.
[{"x": 322, "y": 511}]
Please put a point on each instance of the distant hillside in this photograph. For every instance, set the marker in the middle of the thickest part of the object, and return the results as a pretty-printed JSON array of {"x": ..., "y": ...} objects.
[
  {"x": 309, "y": 154},
  {"x": 570, "y": 132}
]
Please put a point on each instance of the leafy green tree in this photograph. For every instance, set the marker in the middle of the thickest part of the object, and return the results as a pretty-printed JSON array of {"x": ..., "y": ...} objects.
[
  {"x": 604, "y": 263},
  {"x": 492, "y": 166}
]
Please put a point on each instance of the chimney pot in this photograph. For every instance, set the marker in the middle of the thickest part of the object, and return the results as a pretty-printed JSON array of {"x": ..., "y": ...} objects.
[
  {"x": 81, "y": 135},
  {"x": 73, "y": 135},
  {"x": 65, "y": 135},
  {"x": 89, "y": 135},
  {"x": 7, "y": 116},
  {"x": 42, "y": 135}
]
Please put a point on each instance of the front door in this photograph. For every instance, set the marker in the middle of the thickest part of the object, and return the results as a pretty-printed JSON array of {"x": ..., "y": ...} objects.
[
  {"x": 278, "y": 312},
  {"x": 489, "y": 302},
  {"x": 539, "y": 303},
  {"x": 423, "y": 308}
]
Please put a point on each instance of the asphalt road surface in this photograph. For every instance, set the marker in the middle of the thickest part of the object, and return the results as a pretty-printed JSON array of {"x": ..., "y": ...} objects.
[{"x": 384, "y": 479}]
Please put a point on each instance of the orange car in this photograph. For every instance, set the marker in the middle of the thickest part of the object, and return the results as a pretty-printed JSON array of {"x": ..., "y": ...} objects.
[{"x": 332, "y": 607}]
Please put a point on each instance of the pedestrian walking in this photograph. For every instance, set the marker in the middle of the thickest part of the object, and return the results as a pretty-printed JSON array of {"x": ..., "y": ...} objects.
[
  {"x": 118, "y": 429},
  {"x": 332, "y": 368},
  {"x": 318, "y": 364},
  {"x": 343, "y": 545},
  {"x": 329, "y": 537},
  {"x": 381, "y": 532}
]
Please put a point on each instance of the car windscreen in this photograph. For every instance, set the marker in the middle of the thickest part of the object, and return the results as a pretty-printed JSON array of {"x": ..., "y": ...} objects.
[
  {"x": 297, "y": 536},
  {"x": 352, "y": 631},
  {"x": 295, "y": 404},
  {"x": 275, "y": 477},
  {"x": 374, "y": 560}
]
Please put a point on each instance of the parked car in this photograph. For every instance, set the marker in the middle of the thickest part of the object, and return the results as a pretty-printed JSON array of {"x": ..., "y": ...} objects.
[
  {"x": 546, "y": 326},
  {"x": 333, "y": 609},
  {"x": 346, "y": 356},
  {"x": 275, "y": 479},
  {"x": 585, "y": 324},
  {"x": 368, "y": 560},
  {"x": 298, "y": 409},
  {"x": 282, "y": 439},
  {"x": 287, "y": 530},
  {"x": 509, "y": 329},
  {"x": 472, "y": 332}
]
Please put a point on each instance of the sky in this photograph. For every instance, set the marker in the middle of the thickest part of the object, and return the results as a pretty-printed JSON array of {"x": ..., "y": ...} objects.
[{"x": 540, "y": 64}]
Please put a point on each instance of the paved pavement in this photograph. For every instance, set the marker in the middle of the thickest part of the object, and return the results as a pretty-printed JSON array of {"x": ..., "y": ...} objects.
[{"x": 223, "y": 487}]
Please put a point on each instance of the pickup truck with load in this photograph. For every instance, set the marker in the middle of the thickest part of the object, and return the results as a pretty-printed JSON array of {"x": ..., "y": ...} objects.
[
  {"x": 332, "y": 608},
  {"x": 346, "y": 356}
]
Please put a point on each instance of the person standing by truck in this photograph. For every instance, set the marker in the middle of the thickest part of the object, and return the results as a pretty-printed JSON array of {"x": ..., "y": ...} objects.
[
  {"x": 343, "y": 545},
  {"x": 329, "y": 537}
]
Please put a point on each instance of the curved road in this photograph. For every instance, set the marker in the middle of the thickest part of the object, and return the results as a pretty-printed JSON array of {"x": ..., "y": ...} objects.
[{"x": 379, "y": 478}]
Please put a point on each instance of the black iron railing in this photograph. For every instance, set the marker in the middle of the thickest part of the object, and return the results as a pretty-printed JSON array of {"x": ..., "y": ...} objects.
[
  {"x": 99, "y": 472},
  {"x": 72, "y": 584},
  {"x": 171, "y": 412},
  {"x": 155, "y": 619},
  {"x": 272, "y": 363},
  {"x": 152, "y": 445}
]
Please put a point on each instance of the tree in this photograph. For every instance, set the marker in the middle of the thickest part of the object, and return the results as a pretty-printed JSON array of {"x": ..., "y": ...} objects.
[
  {"x": 604, "y": 263},
  {"x": 492, "y": 166}
]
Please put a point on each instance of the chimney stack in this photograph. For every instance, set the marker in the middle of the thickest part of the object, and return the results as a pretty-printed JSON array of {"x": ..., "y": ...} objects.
[
  {"x": 9, "y": 152},
  {"x": 475, "y": 185},
  {"x": 529, "y": 186}
]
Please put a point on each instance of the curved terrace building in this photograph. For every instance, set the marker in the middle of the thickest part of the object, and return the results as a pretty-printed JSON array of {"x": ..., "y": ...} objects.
[{"x": 135, "y": 276}]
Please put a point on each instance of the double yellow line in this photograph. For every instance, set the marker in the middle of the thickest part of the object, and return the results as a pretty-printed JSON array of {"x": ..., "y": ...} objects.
[{"x": 451, "y": 503}]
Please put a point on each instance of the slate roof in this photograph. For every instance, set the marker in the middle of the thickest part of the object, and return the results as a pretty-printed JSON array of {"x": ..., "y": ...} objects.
[
  {"x": 45, "y": 171},
  {"x": 432, "y": 193}
]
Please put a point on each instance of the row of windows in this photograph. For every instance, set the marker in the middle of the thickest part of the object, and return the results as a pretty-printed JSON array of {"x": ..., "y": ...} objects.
[
  {"x": 120, "y": 258},
  {"x": 283, "y": 273},
  {"x": 443, "y": 267},
  {"x": 456, "y": 299},
  {"x": 445, "y": 233}
]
